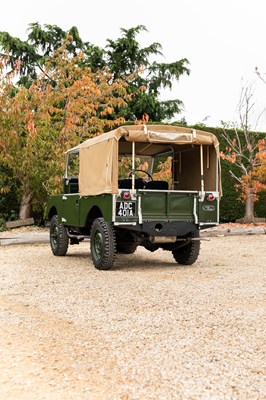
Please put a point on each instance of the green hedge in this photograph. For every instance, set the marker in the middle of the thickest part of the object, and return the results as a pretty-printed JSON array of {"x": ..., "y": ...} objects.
[{"x": 231, "y": 207}]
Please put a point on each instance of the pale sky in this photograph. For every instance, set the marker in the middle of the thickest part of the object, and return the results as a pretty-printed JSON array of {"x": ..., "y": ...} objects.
[{"x": 224, "y": 40}]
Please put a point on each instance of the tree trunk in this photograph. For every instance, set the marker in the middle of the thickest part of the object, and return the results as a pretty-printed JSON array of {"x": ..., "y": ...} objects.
[
  {"x": 249, "y": 208},
  {"x": 25, "y": 205}
]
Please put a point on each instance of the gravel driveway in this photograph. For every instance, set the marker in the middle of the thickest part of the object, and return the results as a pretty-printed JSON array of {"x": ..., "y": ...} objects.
[{"x": 148, "y": 329}]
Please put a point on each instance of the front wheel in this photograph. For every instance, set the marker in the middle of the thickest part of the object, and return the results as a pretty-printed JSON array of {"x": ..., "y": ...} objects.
[
  {"x": 103, "y": 244},
  {"x": 58, "y": 237},
  {"x": 188, "y": 254}
]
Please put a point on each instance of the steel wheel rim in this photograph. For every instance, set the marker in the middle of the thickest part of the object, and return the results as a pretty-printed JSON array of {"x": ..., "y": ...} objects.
[
  {"x": 54, "y": 237},
  {"x": 98, "y": 245}
]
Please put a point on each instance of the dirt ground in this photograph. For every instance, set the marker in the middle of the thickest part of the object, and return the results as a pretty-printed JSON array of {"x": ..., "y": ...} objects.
[{"x": 148, "y": 329}]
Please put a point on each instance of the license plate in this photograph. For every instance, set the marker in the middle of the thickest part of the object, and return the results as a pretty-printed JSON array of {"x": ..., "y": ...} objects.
[{"x": 125, "y": 209}]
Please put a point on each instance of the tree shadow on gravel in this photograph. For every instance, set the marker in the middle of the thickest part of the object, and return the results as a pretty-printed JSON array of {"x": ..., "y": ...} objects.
[
  {"x": 132, "y": 262},
  {"x": 78, "y": 255},
  {"x": 142, "y": 262}
]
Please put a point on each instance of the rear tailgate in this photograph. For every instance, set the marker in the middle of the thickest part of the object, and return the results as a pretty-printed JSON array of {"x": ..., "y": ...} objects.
[{"x": 168, "y": 205}]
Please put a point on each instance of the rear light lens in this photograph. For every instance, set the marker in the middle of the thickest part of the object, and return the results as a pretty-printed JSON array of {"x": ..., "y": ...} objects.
[
  {"x": 126, "y": 195},
  {"x": 210, "y": 197}
]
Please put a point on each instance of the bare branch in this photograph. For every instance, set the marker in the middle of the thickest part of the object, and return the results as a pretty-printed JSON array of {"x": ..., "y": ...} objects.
[
  {"x": 44, "y": 72},
  {"x": 242, "y": 167},
  {"x": 237, "y": 150},
  {"x": 235, "y": 177},
  {"x": 259, "y": 75},
  {"x": 260, "y": 115}
]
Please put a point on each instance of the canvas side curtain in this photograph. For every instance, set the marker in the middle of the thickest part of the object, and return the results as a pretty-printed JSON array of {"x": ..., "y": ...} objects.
[{"x": 98, "y": 171}]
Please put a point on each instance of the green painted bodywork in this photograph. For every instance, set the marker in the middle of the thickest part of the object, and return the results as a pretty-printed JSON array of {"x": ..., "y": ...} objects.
[
  {"x": 208, "y": 216},
  {"x": 167, "y": 205},
  {"x": 74, "y": 210}
]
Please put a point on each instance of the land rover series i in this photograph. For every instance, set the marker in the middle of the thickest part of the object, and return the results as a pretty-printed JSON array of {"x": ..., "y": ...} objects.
[{"x": 117, "y": 194}]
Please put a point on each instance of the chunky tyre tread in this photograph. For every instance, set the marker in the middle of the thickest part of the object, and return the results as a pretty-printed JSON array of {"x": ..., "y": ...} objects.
[
  {"x": 107, "y": 233},
  {"x": 58, "y": 237},
  {"x": 188, "y": 254}
]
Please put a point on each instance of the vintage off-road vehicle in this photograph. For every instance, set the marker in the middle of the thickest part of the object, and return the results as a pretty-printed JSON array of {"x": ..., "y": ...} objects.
[{"x": 111, "y": 194}]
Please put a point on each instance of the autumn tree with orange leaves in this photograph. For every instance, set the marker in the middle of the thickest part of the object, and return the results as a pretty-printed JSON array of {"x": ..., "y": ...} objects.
[
  {"x": 247, "y": 152},
  {"x": 67, "y": 104}
]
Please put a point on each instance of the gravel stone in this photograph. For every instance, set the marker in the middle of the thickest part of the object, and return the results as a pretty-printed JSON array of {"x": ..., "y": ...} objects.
[{"x": 148, "y": 329}]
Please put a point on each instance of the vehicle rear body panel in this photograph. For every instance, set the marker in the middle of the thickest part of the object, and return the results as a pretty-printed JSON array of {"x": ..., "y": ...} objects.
[
  {"x": 169, "y": 205},
  {"x": 179, "y": 206}
]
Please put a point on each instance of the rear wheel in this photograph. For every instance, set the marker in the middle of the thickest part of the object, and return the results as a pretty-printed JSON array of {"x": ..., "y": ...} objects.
[
  {"x": 188, "y": 254},
  {"x": 103, "y": 244},
  {"x": 58, "y": 237}
]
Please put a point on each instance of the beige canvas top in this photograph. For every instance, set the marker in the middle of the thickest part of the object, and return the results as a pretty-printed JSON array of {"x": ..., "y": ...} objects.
[{"x": 98, "y": 171}]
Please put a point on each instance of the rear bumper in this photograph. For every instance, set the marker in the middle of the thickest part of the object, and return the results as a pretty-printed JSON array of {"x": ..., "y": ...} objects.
[{"x": 162, "y": 228}]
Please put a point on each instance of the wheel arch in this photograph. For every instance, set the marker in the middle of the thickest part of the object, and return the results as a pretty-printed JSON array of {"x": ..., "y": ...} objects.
[
  {"x": 52, "y": 212},
  {"x": 94, "y": 212}
]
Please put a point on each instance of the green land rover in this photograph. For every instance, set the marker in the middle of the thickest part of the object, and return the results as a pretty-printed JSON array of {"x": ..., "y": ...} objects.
[{"x": 143, "y": 185}]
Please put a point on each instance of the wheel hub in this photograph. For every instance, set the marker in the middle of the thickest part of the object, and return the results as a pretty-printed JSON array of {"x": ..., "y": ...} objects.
[
  {"x": 98, "y": 245},
  {"x": 54, "y": 237}
]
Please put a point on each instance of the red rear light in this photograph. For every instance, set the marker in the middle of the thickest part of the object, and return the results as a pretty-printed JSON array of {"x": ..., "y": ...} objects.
[
  {"x": 126, "y": 195},
  {"x": 210, "y": 197}
]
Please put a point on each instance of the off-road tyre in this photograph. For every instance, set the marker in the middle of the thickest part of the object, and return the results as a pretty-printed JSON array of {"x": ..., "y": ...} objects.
[
  {"x": 188, "y": 254},
  {"x": 103, "y": 244},
  {"x": 58, "y": 237}
]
